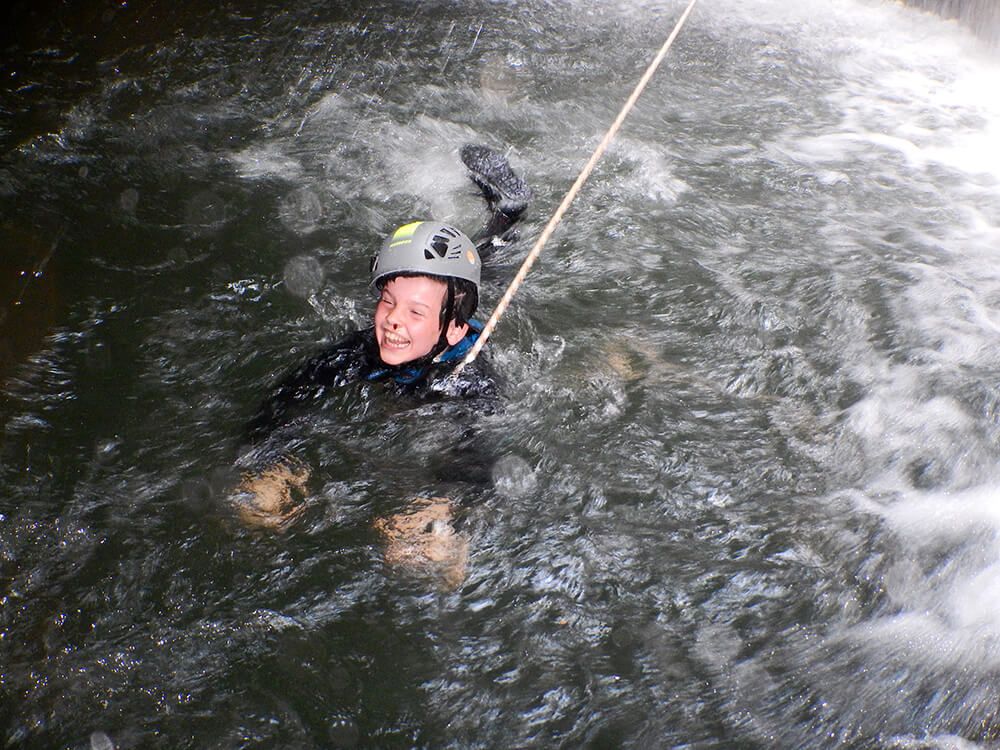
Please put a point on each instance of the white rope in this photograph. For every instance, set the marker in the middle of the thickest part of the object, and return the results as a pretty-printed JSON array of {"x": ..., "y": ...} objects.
[{"x": 571, "y": 195}]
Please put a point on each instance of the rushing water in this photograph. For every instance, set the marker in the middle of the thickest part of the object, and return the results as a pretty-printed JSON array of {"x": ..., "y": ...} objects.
[{"x": 743, "y": 489}]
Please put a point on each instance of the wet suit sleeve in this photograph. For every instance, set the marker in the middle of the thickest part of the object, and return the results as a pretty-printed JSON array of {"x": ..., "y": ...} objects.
[
  {"x": 341, "y": 364},
  {"x": 464, "y": 457}
]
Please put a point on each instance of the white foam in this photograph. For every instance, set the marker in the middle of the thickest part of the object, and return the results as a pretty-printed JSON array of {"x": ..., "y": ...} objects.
[
  {"x": 928, "y": 518},
  {"x": 259, "y": 162},
  {"x": 437, "y": 176},
  {"x": 909, "y": 83},
  {"x": 653, "y": 174},
  {"x": 946, "y": 585}
]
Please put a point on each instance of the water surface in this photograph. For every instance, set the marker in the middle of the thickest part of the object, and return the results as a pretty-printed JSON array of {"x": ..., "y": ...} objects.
[{"x": 743, "y": 487}]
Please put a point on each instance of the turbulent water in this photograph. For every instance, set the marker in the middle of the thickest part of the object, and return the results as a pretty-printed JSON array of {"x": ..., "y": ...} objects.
[{"x": 743, "y": 485}]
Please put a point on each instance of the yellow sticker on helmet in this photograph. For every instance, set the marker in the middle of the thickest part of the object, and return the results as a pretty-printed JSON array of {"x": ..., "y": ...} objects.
[
  {"x": 470, "y": 257},
  {"x": 404, "y": 233}
]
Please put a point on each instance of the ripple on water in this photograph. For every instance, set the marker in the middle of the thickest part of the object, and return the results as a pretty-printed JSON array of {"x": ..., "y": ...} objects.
[{"x": 739, "y": 487}]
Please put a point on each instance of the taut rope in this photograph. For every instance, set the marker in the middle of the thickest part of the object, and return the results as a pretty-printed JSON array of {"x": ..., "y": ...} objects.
[{"x": 571, "y": 195}]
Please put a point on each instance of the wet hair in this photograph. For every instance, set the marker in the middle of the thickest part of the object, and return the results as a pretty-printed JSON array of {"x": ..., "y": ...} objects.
[
  {"x": 462, "y": 297},
  {"x": 466, "y": 300}
]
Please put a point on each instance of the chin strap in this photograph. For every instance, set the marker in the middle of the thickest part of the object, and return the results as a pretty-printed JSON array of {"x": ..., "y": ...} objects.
[{"x": 449, "y": 310}]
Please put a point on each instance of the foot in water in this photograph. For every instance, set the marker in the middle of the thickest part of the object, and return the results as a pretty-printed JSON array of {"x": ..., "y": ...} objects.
[{"x": 506, "y": 194}]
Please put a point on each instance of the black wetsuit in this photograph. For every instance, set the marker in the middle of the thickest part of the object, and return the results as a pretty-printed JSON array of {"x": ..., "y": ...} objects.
[{"x": 355, "y": 359}]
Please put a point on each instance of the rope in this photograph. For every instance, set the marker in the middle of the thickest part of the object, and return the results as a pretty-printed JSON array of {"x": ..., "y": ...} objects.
[{"x": 571, "y": 195}]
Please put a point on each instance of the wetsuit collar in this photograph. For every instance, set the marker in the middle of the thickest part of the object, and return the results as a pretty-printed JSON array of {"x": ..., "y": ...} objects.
[
  {"x": 462, "y": 348},
  {"x": 414, "y": 371}
]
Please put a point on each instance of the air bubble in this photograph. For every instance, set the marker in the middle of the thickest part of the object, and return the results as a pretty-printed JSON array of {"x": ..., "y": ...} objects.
[
  {"x": 129, "y": 200},
  {"x": 497, "y": 77},
  {"x": 206, "y": 209},
  {"x": 513, "y": 476},
  {"x": 344, "y": 732},
  {"x": 304, "y": 275},
  {"x": 301, "y": 211}
]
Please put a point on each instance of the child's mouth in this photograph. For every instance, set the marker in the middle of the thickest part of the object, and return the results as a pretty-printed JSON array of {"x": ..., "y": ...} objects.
[{"x": 393, "y": 341}]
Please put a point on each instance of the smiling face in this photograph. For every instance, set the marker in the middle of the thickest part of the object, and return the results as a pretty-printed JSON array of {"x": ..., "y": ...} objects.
[{"x": 408, "y": 319}]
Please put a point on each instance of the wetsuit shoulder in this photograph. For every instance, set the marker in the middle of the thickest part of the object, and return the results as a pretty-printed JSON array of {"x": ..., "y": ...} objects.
[
  {"x": 348, "y": 360},
  {"x": 476, "y": 380}
]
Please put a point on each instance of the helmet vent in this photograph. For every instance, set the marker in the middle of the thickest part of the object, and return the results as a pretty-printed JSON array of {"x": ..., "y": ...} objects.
[
  {"x": 440, "y": 246},
  {"x": 428, "y": 248}
]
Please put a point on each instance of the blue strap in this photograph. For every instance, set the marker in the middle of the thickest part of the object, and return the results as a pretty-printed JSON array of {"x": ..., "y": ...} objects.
[{"x": 459, "y": 350}]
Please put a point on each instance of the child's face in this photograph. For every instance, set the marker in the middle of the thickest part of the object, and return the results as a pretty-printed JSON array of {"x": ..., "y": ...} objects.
[{"x": 408, "y": 319}]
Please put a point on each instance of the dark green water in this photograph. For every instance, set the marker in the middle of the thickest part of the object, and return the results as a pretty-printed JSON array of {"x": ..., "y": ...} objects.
[{"x": 743, "y": 487}]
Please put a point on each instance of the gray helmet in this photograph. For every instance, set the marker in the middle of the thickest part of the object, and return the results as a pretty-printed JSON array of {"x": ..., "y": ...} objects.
[{"x": 431, "y": 248}]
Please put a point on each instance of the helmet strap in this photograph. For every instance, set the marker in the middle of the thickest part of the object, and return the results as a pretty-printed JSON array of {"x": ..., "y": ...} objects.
[{"x": 449, "y": 312}]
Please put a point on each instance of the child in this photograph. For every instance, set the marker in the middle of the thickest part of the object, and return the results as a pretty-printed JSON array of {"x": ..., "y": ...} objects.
[{"x": 427, "y": 276}]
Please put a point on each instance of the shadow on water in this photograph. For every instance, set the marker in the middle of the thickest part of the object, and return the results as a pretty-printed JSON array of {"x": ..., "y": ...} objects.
[
  {"x": 741, "y": 487},
  {"x": 30, "y": 295}
]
